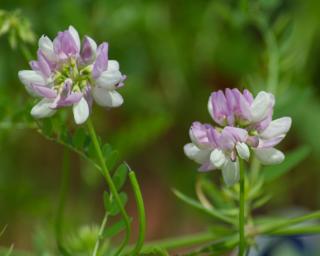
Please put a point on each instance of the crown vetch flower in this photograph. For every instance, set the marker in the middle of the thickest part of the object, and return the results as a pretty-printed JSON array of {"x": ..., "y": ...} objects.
[
  {"x": 245, "y": 123},
  {"x": 66, "y": 74}
]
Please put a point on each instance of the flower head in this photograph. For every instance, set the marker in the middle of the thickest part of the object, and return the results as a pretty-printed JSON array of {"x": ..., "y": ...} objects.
[
  {"x": 244, "y": 123},
  {"x": 68, "y": 74}
]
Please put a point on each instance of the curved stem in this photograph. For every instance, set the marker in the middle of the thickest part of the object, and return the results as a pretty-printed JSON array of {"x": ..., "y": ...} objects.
[
  {"x": 62, "y": 198},
  {"x": 141, "y": 213},
  {"x": 242, "y": 212},
  {"x": 101, "y": 230},
  {"x": 201, "y": 196},
  {"x": 110, "y": 183}
]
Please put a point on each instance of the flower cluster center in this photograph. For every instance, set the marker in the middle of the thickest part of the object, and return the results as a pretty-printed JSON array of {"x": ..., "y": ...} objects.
[{"x": 79, "y": 77}]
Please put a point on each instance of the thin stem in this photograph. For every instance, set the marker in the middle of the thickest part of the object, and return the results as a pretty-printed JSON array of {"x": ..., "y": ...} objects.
[
  {"x": 141, "y": 213},
  {"x": 110, "y": 183},
  {"x": 201, "y": 195},
  {"x": 100, "y": 235},
  {"x": 242, "y": 212},
  {"x": 62, "y": 198}
]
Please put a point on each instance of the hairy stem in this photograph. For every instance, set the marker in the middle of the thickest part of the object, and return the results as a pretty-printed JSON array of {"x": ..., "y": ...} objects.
[{"x": 110, "y": 183}]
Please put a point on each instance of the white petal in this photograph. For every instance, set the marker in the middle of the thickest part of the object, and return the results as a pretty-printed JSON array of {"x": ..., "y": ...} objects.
[
  {"x": 29, "y": 77},
  {"x": 194, "y": 153},
  {"x": 75, "y": 36},
  {"x": 81, "y": 111},
  {"x": 42, "y": 109},
  {"x": 109, "y": 79},
  {"x": 276, "y": 128},
  {"x": 113, "y": 65},
  {"x": 46, "y": 46},
  {"x": 243, "y": 150},
  {"x": 260, "y": 106},
  {"x": 230, "y": 172},
  {"x": 93, "y": 44},
  {"x": 217, "y": 158},
  {"x": 107, "y": 98},
  {"x": 269, "y": 156}
]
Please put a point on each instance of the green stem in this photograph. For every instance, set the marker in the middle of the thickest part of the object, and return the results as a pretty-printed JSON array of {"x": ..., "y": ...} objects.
[
  {"x": 141, "y": 213},
  {"x": 110, "y": 183},
  {"x": 100, "y": 235},
  {"x": 242, "y": 211},
  {"x": 255, "y": 170},
  {"x": 62, "y": 198}
]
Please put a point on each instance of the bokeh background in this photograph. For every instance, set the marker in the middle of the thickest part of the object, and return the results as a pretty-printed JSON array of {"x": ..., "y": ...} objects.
[{"x": 175, "y": 53}]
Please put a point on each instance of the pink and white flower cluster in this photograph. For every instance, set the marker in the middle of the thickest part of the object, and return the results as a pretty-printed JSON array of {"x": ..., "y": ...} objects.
[
  {"x": 70, "y": 73},
  {"x": 244, "y": 125}
]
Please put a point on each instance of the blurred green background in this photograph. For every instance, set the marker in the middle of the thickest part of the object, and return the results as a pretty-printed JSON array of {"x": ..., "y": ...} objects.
[{"x": 175, "y": 53}]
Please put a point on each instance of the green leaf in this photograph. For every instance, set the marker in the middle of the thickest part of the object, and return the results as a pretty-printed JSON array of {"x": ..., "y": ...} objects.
[
  {"x": 111, "y": 204},
  {"x": 111, "y": 156},
  {"x": 211, "y": 211},
  {"x": 115, "y": 229},
  {"x": 112, "y": 160},
  {"x": 155, "y": 251},
  {"x": 292, "y": 159},
  {"x": 260, "y": 201},
  {"x": 106, "y": 200},
  {"x": 220, "y": 247},
  {"x": 120, "y": 176},
  {"x": 79, "y": 138},
  {"x": 214, "y": 194}
]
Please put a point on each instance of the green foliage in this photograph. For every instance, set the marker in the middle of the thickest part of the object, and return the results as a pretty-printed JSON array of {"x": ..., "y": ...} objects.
[
  {"x": 111, "y": 205},
  {"x": 270, "y": 45},
  {"x": 114, "y": 229},
  {"x": 17, "y": 27},
  {"x": 155, "y": 252},
  {"x": 120, "y": 176}
]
